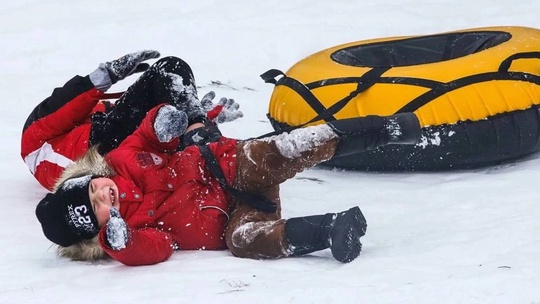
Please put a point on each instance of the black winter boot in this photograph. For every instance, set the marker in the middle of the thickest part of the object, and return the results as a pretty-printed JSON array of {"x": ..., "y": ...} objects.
[
  {"x": 341, "y": 232},
  {"x": 370, "y": 132}
]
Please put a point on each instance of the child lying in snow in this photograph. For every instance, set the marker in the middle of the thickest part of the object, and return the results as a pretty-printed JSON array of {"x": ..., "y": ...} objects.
[{"x": 145, "y": 199}]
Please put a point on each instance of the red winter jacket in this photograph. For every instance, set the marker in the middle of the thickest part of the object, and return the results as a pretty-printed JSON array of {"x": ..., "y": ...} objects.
[
  {"x": 58, "y": 130},
  {"x": 168, "y": 200}
]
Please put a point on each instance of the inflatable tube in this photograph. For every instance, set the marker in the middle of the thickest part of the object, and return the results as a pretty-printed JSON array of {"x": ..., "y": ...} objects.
[{"x": 476, "y": 93}]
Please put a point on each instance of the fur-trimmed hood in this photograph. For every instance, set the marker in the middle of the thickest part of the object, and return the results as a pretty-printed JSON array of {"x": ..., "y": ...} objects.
[{"x": 94, "y": 164}]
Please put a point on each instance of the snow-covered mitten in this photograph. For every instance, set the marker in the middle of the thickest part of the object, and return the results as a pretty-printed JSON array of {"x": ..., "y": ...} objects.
[
  {"x": 170, "y": 123},
  {"x": 117, "y": 230},
  {"x": 227, "y": 109},
  {"x": 111, "y": 72}
]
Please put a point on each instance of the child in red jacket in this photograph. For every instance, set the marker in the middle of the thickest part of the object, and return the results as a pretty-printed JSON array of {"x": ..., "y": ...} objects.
[
  {"x": 145, "y": 199},
  {"x": 73, "y": 119}
]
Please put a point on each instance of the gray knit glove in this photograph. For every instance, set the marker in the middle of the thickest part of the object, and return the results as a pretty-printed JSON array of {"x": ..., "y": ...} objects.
[
  {"x": 111, "y": 72},
  {"x": 224, "y": 111},
  {"x": 117, "y": 230}
]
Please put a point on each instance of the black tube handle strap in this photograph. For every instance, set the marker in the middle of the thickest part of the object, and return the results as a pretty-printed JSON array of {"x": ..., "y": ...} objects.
[
  {"x": 327, "y": 114},
  {"x": 505, "y": 65},
  {"x": 270, "y": 76},
  {"x": 297, "y": 86}
]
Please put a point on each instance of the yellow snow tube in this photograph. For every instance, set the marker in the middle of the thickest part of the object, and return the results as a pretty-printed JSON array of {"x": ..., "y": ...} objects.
[{"x": 474, "y": 91}]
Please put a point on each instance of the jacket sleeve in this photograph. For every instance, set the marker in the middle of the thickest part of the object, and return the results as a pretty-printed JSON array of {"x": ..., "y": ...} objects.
[
  {"x": 55, "y": 133},
  {"x": 62, "y": 97},
  {"x": 144, "y": 138},
  {"x": 145, "y": 247}
]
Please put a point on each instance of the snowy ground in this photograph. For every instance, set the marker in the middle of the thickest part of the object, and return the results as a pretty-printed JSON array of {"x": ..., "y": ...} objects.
[{"x": 453, "y": 237}]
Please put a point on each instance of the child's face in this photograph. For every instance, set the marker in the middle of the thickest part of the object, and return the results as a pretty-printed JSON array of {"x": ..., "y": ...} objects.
[{"x": 103, "y": 194}]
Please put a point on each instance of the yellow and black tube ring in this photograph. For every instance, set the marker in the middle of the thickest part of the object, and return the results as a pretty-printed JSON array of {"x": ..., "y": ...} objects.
[{"x": 476, "y": 93}]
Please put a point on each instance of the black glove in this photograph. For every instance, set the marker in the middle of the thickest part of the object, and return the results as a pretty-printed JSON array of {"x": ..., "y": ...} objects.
[
  {"x": 111, "y": 72},
  {"x": 170, "y": 123},
  {"x": 117, "y": 230}
]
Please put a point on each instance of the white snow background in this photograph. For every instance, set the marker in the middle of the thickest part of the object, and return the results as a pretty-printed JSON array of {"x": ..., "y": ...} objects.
[{"x": 446, "y": 237}]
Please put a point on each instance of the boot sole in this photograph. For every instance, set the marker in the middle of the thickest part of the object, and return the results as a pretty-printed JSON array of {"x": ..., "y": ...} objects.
[
  {"x": 346, "y": 245},
  {"x": 361, "y": 222},
  {"x": 404, "y": 129}
]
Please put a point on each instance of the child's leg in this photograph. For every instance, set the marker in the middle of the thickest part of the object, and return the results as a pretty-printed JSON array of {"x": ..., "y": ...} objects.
[
  {"x": 261, "y": 166},
  {"x": 169, "y": 80},
  {"x": 270, "y": 161},
  {"x": 254, "y": 234},
  {"x": 266, "y": 163}
]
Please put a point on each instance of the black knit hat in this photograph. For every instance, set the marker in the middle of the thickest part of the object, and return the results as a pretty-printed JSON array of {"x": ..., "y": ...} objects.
[{"x": 66, "y": 215}]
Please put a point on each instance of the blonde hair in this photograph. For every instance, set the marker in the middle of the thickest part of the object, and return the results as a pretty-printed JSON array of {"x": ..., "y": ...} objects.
[
  {"x": 91, "y": 163},
  {"x": 85, "y": 250}
]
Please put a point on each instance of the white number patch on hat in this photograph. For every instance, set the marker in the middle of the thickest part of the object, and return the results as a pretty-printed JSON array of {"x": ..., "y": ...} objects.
[{"x": 79, "y": 216}]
